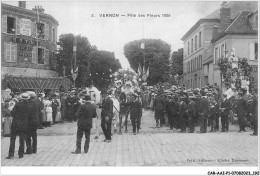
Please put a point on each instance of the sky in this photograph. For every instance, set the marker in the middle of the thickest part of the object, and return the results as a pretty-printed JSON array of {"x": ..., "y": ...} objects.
[{"x": 112, "y": 33}]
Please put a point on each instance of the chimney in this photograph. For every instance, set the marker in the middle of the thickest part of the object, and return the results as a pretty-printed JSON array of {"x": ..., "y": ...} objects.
[
  {"x": 22, "y": 4},
  {"x": 39, "y": 8},
  {"x": 214, "y": 31},
  {"x": 224, "y": 18}
]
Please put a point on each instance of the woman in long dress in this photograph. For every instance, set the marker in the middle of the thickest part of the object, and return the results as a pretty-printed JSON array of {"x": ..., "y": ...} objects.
[
  {"x": 49, "y": 113},
  {"x": 58, "y": 115}
]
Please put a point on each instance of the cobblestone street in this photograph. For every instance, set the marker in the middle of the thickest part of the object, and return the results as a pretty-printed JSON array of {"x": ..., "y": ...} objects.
[{"x": 152, "y": 147}]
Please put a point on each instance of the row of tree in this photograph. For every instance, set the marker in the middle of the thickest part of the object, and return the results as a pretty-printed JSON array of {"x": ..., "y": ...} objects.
[
  {"x": 98, "y": 67},
  {"x": 94, "y": 66}
]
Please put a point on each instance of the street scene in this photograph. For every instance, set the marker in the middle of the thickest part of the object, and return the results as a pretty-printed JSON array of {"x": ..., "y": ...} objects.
[{"x": 116, "y": 84}]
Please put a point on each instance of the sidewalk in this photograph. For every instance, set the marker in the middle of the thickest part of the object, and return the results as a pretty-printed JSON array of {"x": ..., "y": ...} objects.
[{"x": 149, "y": 148}]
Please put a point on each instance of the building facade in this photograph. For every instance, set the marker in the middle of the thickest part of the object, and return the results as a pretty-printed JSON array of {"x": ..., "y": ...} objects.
[
  {"x": 241, "y": 35},
  {"x": 196, "y": 43},
  {"x": 29, "y": 42},
  {"x": 199, "y": 63}
]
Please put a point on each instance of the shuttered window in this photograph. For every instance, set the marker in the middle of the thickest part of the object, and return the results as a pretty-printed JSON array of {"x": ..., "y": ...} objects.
[
  {"x": 46, "y": 31},
  {"x": 34, "y": 54},
  {"x": 4, "y": 24},
  {"x": 34, "y": 29},
  {"x": 18, "y": 26},
  {"x": 46, "y": 56},
  {"x": 10, "y": 52}
]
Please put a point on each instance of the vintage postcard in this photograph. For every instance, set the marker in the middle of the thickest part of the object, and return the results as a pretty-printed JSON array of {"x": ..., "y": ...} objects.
[{"x": 129, "y": 87}]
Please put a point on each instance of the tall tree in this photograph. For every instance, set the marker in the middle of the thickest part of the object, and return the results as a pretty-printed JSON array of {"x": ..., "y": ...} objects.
[
  {"x": 90, "y": 61},
  {"x": 102, "y": 66},
  {"x": 155, "y": 55},
  {"x": 177, "y": 62}
]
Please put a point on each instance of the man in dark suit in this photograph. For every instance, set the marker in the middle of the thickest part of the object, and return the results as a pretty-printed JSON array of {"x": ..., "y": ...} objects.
[
  {"x": 183, "y": 112},
  {"x": 39, "y": 100},
  {"x": 241, "y": 110},
  {"x": 191, "y": 113},
  {"x": 203, "y": 111},
  {"x": 225, "y": 111},
  {"x": 253, "y": 113},
  {"x": 135, "y": 113},
  {"x": 85, "y": 113},
  {"x": 54, "y": 106},
  {"x": 20, "y": 114},
  {"x": 159, "y": 108},
  {"x": 172, "y": 108},
  {"x": 33, "y": 122},
  {"x": 106, "y": 115}
]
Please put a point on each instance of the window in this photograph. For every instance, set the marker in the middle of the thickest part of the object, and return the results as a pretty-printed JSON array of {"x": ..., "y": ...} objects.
[
  {"x": 40, "y": 31},
  {"x": 200, "y": 61},
  {"x": 10, "y": 25},
  {"x": 216, "y": 56},
  {"x": 191, "y": 45},
  {"x": 196, "y": 63},
  {"x": 53, "y": 35},
  {"x": 40, "y": 56},
  {"x": 191, "y": 66},
  {"x": 188, "y": 84},
  {"x": 188, "y": 67},
  {"x": 195, "y": 42},
  {"x": 10, "y": 52},
  {"x": 200, "y": 39},
  {"x": 256, "y": 51},
  {"x": 222, "y": 50},
  {"x": 188, "y": 47},
  {"x": 191, "y": 86}
]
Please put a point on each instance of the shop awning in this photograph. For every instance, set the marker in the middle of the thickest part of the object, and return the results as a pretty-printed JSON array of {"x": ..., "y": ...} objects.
[{"x": 36, "y": 83}]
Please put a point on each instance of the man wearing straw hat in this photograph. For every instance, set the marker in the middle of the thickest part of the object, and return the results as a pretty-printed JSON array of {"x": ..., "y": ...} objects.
[{"x": 20, "y": 114}]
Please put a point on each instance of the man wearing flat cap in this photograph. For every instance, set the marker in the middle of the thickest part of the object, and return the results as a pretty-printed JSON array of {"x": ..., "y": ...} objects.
[{"x": 85, "y": 114}]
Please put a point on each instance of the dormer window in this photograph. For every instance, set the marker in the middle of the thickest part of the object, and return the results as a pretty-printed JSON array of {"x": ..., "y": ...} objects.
[{"x": 10, "y": 25}]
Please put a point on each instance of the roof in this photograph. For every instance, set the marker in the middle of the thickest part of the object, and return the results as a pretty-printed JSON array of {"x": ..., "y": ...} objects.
[
  {"x": 18, "y": 10},
  {"x": 236, "y": 7},
  {"x": 240, "y": 25},
  {"x": 195, "y": 26},
  {"x": 209, "y": 60}
]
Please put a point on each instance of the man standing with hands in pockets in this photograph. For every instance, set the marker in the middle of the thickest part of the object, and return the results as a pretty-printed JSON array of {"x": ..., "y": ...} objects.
[{"x": 85, "y": 113}]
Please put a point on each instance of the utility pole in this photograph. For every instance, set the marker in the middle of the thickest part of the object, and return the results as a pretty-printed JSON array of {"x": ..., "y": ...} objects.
[{"x": 74, "y": 64}]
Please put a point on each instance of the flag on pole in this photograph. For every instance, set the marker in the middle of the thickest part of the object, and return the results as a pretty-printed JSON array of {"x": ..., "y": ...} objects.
[
  {"x": 139, "y": 71},
  {"x": 147, "y": 72}
]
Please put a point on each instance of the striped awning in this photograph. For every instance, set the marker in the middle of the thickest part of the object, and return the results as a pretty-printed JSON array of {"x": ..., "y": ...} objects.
[{"x": 37, "y": 83}]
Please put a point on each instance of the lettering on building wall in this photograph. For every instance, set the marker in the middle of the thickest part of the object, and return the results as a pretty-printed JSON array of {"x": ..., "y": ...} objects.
[
  {"x": 24, "y": 41},
  {"x": 24, "y": 53}
]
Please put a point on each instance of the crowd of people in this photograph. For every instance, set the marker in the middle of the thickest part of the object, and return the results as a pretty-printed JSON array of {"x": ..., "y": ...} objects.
[{"x": 185, "y": 109}]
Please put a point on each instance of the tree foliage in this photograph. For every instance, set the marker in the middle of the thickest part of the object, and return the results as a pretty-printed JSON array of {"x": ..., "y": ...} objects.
[
  {"x": 102, "y": 65},
  {"x": 156, "y": 56},
  {"x": 177, "y": 62},
  {"x": 93, "y": 65}
]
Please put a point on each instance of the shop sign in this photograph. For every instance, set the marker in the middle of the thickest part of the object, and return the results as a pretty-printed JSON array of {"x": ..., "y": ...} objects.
[{"x": 24, "y": 41}]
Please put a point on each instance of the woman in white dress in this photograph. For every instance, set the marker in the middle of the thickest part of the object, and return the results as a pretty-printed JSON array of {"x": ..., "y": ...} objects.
[
  {"x": 58, "y": 115},
  {"x": 49, "y": 113}
]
